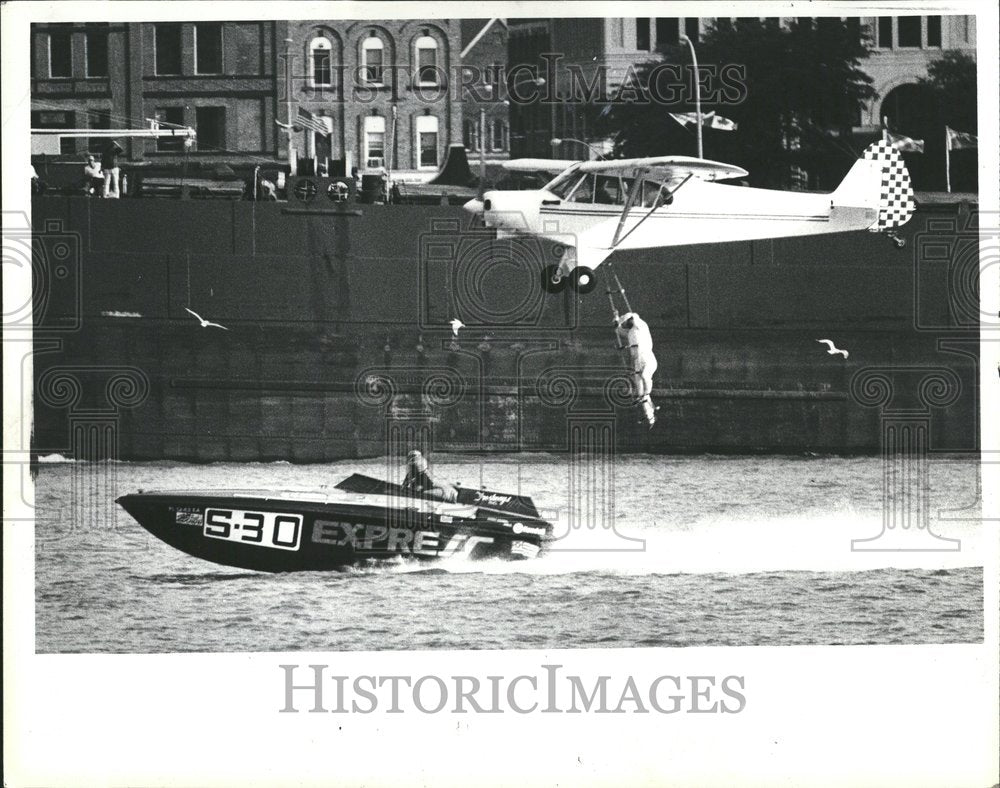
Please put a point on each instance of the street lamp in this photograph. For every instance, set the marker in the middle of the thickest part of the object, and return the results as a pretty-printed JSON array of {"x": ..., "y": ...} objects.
[
  {"x": 557, "y": 141},
  {"x": 288, "y": 114},
  {"x": 697, "y": 91},
  {"x": 537, "y": 82}
]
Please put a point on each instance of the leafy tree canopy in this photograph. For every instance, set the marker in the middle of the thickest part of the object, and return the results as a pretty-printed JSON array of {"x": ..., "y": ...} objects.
[
  {"x": 798, "y": 90},
  {"x": 952, "y": 79}
]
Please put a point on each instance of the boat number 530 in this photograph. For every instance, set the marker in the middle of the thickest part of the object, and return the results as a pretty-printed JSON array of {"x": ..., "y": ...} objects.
[{"x": 265, "y": 529}]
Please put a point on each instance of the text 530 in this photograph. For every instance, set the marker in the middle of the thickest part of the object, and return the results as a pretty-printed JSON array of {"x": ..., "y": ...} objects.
[{"x": 264, "y": 529}]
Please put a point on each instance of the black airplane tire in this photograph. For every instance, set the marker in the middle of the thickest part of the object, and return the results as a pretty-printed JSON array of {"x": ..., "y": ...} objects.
[
  {"x": 584, "y": 279},
  {"x": 553, "y": 281}
]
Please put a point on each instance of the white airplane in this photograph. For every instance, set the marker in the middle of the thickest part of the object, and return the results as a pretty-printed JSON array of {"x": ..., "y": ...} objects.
[{"x": 593, "y": 208}]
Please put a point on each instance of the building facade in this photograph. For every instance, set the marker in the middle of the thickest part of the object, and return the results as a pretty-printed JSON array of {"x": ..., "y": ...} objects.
[
  {"x": 485, "y": 105},
  {"x": 219, "y": 78},
  {"x": 596, "y": 54},
  {"x": 384, "y": 92}
]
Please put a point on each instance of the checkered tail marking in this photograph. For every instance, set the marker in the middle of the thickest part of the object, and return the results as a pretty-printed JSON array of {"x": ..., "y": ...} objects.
[{"x": 896, "y": 198}]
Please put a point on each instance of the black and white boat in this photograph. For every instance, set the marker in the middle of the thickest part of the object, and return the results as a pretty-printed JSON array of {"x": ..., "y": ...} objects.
[{"x": 361, "y": 519}]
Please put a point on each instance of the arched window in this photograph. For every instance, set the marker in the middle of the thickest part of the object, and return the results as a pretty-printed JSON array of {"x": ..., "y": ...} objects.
[
  {"x": 427, "y": 142},
  {"x": 372, "y": 60},
  {"x": 427, "y": 65},
  {"x": 321, "y": 61}
]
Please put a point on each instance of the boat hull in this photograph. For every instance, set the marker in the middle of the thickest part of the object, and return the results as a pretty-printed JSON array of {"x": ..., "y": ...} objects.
[{"x": 286, "y": 533}]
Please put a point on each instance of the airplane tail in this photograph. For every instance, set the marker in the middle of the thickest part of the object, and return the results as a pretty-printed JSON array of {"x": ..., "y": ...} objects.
[{"x": 878, "y": 181}]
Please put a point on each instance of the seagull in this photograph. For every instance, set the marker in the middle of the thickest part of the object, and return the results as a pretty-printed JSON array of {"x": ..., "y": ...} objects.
[
  {"x": 833, "y": 348},
  {"x": 204, "y": 323},
  {"x": 455, "y": 325}
]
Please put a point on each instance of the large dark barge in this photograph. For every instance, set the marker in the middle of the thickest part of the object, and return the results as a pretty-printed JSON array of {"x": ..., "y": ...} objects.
[{"x": 339, "y": 341}]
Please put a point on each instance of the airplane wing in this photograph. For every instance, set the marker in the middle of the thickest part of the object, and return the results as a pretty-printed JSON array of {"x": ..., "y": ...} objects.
[
  {"x": 666, "y": 168},
  {"x": 554, "y": 166}
]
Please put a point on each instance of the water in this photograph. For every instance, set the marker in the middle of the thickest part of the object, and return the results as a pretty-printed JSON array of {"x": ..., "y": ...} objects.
[{"x": 709, "y": 551}]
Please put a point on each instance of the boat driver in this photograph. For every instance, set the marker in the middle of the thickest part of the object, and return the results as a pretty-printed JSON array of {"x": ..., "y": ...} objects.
[{"x": 418, "y": 479}]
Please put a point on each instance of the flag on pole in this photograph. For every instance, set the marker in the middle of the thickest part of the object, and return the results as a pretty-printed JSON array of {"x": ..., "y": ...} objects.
[
  {"x": 709, "y": 119},
  {"x": 903, "y": 143},
  {"x": 960, "y": 139},
  {"x": 722, "y": 124},
  {"x": 308, "y": 120}
]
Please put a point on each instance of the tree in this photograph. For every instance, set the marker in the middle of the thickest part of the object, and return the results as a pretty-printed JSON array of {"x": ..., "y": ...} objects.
[
  {"x": 800, "y": 89},
  {"x": 952, "y": 80}
]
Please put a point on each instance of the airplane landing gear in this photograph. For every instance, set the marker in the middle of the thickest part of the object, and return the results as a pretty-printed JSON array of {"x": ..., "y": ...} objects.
[
  {"x": 898, "y": 242},
  {"x": 583, "y": 279},
  {"x": 553, "y": 280}
]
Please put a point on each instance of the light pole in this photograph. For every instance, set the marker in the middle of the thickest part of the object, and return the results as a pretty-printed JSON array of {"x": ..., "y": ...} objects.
[
  {"x": 288, "y": 113},
  {"x": 697, "y": 91},
  {"x": 557, "y": 141},
  {"x": 482, "y": 150},
  {"x": 537, "y": 82}
]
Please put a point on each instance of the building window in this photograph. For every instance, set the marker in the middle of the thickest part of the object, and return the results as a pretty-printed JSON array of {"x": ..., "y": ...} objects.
[
  {"x": 642, "y": 34},
  {"x": 211, "y": 128},
  {"x": 60, "y": 54},
  {"x": 885, "y": 32},
  {"x": 499, "y": 135},
  {"x": 170, "y": 117},
  {"x": 321, "y": 58},
  {"x": 427, "y": 141},
  {"x": 372, "y": 61},
  {"x": 168, "y": 49},
  {"x": 908, "y": 31},
  {"x": 668, "y": 30},
  {"x": 691, "y": 28},
  {"x": 97, "y": 53},
  {"x": 208, "y": 48},
  {"x": 933, "y": 31},
  {"x": 374, "y": 141},
  {"x": 427, "y": 73},
  {"x": 471, "y": 135},
  {"x": 44, "y": 119}
]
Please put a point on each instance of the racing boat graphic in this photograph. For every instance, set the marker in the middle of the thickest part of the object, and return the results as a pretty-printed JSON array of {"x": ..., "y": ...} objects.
[{"x": 361, "y": 519}]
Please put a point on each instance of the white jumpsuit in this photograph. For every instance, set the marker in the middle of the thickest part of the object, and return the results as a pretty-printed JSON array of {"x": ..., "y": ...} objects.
[{"x": 637, "y": 341}]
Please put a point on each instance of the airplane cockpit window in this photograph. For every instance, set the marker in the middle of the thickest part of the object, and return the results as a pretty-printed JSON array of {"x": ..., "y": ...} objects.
[
  {"x": 563, "y": 184},
  {"x": 654, "y": 194},
  {"x": 584, "y": 191},
  {"x": 610, "y": 190}
]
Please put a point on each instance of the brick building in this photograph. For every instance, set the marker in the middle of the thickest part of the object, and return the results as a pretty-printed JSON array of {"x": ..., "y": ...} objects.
[
  {"x": 384, "y": 90},
  {"x": 486, "y": 124},
  {"x": 219, "y": 78}
]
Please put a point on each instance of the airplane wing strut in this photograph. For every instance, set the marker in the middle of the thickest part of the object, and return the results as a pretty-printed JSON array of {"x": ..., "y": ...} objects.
[{"x": 630, "y": 203}]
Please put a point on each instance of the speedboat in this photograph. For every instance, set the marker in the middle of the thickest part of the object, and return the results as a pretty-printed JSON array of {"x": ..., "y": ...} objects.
[{"x": 361, "y": 519}]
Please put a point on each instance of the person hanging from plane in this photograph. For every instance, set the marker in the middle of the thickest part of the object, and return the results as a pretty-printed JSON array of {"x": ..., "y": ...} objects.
[
  {"x": 419, "y": 480},
  {"x": 634, "y": 337}
]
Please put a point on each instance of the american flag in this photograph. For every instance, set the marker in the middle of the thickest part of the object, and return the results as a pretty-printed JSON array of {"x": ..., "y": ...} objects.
[{"x": 308, "y": 120}]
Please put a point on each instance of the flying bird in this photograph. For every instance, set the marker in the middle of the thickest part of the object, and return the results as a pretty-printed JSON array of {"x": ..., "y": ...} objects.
[
  {"x": 833, "y": 349},
  {"x": 204, "y": 323},
  {"x": 455, "y": 325}
]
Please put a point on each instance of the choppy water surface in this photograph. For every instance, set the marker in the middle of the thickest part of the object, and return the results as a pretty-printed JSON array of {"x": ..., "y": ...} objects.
[{"x": 703, "y": 551}]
